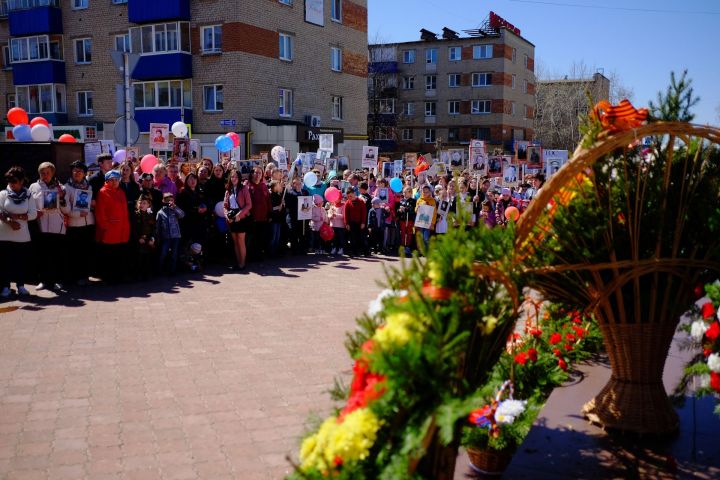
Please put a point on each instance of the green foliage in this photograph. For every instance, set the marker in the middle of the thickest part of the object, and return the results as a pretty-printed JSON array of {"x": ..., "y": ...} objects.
[{"x": 676, "y": 103}]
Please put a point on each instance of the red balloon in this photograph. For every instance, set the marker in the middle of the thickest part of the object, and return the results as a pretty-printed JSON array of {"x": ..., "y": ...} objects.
[
  {"x": 147, "y": 163},
  {"x": 39, "y": 121},
  {"x": 332, "y": 194},
  {"x": 67, "y": 138},
  {"x": 512, "y": 213},
  {"x": 235, "y": 138},
  {"x": 17, "y": 116}
]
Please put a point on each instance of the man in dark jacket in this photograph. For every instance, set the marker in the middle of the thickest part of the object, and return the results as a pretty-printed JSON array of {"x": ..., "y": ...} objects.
[
  {"x": 148, "y": 188},
  {"x": 97, "y": 181}
]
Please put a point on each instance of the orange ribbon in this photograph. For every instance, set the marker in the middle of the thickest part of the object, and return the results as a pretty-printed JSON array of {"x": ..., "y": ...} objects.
[{"x": 618, "y": 118}]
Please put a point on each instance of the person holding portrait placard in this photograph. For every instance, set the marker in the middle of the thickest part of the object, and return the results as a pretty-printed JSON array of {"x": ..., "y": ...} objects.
[{"x": 80, "y": 224}]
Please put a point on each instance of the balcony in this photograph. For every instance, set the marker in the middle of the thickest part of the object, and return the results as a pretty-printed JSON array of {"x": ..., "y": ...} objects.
[
  {"x": 382, "y": 67},
  {"x": 163, "y": 66},
  {"x": 143, "y": 11},
  {"x": 384, "y": 146},
  {"x": 382, "y": 118},
  {"x": 30, "y": 17},
  {"x": 145, "y": 116},
  {"x": 40, "y": 72}
]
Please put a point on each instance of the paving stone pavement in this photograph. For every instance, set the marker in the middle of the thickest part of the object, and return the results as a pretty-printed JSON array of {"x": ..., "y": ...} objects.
[{"x": 207, "y": 377}]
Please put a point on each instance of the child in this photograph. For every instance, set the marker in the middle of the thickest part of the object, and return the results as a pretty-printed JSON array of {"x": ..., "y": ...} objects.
[
  {"x": 144, "y": 236},
  {"x": 319, "y": 218},
  {"x": 277, "y": 215},
  {"x": 376, "y": 225},
  {"x": 168, "y": 231},
  {"x": 442, "y": 211},
  {"x": 426, "y": 199},
  {"x": 406, "y": 217},
  {"x": 486, "y": 215},
  {"x": 336, "y": 215}
]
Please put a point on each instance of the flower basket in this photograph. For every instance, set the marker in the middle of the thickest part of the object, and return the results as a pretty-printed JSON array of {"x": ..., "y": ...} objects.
[{"x": 488, "y": 461}]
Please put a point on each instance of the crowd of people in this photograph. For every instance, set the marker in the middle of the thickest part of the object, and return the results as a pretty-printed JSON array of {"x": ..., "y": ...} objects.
[{"x": 119, "y": 224}]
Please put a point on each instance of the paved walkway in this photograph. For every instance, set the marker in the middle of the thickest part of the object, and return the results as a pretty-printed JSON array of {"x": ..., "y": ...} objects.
[{"x": 208, "y": 378}]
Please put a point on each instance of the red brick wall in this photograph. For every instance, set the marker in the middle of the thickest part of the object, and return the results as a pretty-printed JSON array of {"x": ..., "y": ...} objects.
[
  {"x": 465, "y": 133},
  {"x": 501, "y": 106},
  {"x": 531, "y": 88},
  {"x": 531, "y": 64},
  {"x": 355, "y": 16},
  {"x": 355, "y": 64},
  {"x": 195, "y": 40},
  {"x": 500, "y": 78},
  {"x": 241, "y": 37},
  {"x": 467, "y": 53},
  {"x": 529, "y": 111},
  {"x": 502, "y": 50},
  {"x": 465, "y": 107}
]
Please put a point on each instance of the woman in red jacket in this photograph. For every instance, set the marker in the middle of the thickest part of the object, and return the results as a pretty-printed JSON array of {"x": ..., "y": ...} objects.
[{"x": 113, "y": 228}]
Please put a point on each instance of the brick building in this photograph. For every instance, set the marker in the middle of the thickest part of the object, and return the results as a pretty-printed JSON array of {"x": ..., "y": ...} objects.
[
  {"x": 277, "y": 71},
  {"x": 452, "y": 88}
]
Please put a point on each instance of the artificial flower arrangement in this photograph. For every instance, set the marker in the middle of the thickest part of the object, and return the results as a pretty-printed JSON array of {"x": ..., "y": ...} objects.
[{"x": 703, "y": 371}]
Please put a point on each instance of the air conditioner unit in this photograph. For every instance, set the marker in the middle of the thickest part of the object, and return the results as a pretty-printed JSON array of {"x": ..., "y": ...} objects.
[{"x": 315, "y": 121}]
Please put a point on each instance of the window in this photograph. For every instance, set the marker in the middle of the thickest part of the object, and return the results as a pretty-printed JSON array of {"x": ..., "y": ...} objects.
[
  {"x": 453, "y": 134},
  {"x": 480, "y": 107},
  {"x": 286, "y": 102},
  {"x": 512, "y": 108},
  {"x": 286, "y": 47},
  {"x": 525, "y": 86},
  {"x": 514, "y": 55},
  {"x": 409, "y": 56},
  {"x": 482, "y": 51},
  {"x": 46, "y": 98},
  {"x": 454, "y": 107},
  {"x": 286, "y": 2},
  {"x": 429, "y": 135},
  {"x": 408, "y": 83},
  {"x": 213, "y": 98},
  {"x": 384, "y": 133},
  {"x": 454, "y": 54},
  {"x": 118, "y": 2},
  {"x": 212, "y": 39},
  {"x": 163, "y": 94},
  {"x": 79, "y": 4},
  {"x": 11, "y": 101},
  {"x": 430, "y": 82},
  {"x": 409, "y": 109},
  {"x": 337, "y": 108},
  {"x": 431, "y": 55},
  {"x": 161, "y": 38},
  {"x": 336, "y": 10},
  {"x": 83, "y": 50},
  {"x": 481, "y": 133},
  {"x": 122, "y": 43},
  {"x": 30, "y": 49},
  {"x": 386, "y": 105},
  {"x": 430, "y": 109},
  {"x": 336, "y": 59},
  {"x": 513, "y": 79},
  {"x": 526, "y": 60},
  {"x": 407, "y": 134},
  {"x": 481, "y": 79},
  {"x": 6, "y": 57},
  {"x": 85, "y": 104},
  {"x": 454, "y": 80}
]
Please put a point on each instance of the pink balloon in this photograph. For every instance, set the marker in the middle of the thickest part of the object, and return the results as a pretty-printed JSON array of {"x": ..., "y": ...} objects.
[
  {"x": 235, "y": 138},
  {"x": 332, "y": 194},
  {"x": 147, "y": 163}
]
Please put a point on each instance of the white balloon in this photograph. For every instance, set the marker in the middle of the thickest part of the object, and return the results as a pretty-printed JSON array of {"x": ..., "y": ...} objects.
[
  {"x": 40, "y": 133},
  {"x": 219, "y": 210},
  {"x": 179, "y": 129},
  {"x": 310, "y": 179},
  {"x": 276, "y": 152}
]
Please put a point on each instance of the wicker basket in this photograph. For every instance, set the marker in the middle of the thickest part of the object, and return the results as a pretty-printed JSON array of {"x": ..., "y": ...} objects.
[{"x": 488, "y": 461}]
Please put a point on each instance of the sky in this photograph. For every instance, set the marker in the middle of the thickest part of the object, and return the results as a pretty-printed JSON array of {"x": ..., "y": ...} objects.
[{"x": 642, "y": 41}]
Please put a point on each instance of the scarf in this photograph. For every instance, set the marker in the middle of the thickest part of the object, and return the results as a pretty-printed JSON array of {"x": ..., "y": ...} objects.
[
  {"x": 18, "y": 197},
  {"x": 52, "y": 184},
  {"x": 83, "y": 185}
]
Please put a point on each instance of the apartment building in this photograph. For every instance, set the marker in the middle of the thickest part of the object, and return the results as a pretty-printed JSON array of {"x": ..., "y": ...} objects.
[
  {"x": 452, "y": 88},
  {"x": 279, "y": 72}
]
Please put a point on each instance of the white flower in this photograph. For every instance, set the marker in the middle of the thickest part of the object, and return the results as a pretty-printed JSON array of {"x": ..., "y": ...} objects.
[
  {"x": 376, "y": 306},
  {"x": 697, "y": 330},
  {"x": 713, "y": 362},
  {"x": 704, "y": 381},
  {"x": 509, "y": 410}
]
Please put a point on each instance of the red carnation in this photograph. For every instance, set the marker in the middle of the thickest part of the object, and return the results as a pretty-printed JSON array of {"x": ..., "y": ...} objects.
[
  {"x": 535, "y": 332},
  {"x": 698, "y": 290},
  {"x": 557, "y": 352},
  {"x": 521, "y": 358},
  {"x": 577, "y": 320},
  {"x": 715, "y": 381},
  {"x": 713, "y": 332},
  {"x": 555, "y": 338},
  {"x": 579, "y": 331},
  {"x": 570, "y": 337},
  {"x": 708, "y": 311},
  {"x": 338, "y": 461},
  {"x": 562, "y": 364},
  {"x": 707, "y": 352},
  {"x": 568, "y": 347},
  {"x": 533, "y": 354}
]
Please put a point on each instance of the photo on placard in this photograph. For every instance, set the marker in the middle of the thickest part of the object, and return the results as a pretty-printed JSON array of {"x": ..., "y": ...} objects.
[
  {"x": 534, "y": 157},
  {"x": 325, "y": 142},
  {"x": 554, "y": 160},
  {"x": 343, "y": 164},
  {"x": 181, "y": 150},
  {"x": 510, "y": 170},
  {"x": 398, "y": 168},
  {"x": 50, "y": 199},
  {"x": 423, "y": 219},
  {"x": 457, "y": 158},
  {"x": 305, "y": 205},
  {"x": 410, "y": 161},
  {"x": 159, "y": 136},
  {"x": 132, "y": 154},
  {"x": 194, "y": 150},
  {"x": 308, "y": 160},
  {"x": 108, "y": 146},
  {"x": 494, "y": 166},
  {"x": 369, "y": 157},
  {"x": 444, "y": 157},
  {"x": 479, "y": 162},
  {"x": 387, "y": 170},
  {"x": 383, "y": 194},
  {"x": 332, "y": 165},
  {"x": 521, "y": 153},
  {"x": 82, "y": 200}
]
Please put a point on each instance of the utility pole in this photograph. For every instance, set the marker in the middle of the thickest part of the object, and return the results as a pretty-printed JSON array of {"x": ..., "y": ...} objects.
[{"x": 128, "y": 109}]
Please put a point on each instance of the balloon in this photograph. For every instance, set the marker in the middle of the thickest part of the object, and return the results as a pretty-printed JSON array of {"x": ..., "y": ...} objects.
[
  {"x": 17, "y": 116},
  {"x": 512, "y": 213},
  {"x": 39, "y": 121},
  {"x": 310, "y": 179},
  {"x": 179, "y": 129},
  {"x": 41, "y": 133},
  {"x": 223, "y": 144},
  {"x": 120, "y": 156},
  {"x": 396, "y": 185},
  {"x": 276, "y": 152},
  {"x": 332, "y": 174},
  {"x": 147, "y": 163},
  {"x": 332, "y": 194},
  {"x": 326, "y": 232},
  {"x": 235, "y": 138},
  {"x": 67, "y": 138},
  {"x": 219, "y": 210},
  {"x": 22, "y": 133}
]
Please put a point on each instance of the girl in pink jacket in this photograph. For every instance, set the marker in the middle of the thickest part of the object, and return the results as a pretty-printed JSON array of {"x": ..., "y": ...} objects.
[{"x": 319, "y": 218}]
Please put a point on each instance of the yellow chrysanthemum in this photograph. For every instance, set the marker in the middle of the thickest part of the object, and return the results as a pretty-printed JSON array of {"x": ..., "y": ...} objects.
[
  {"x": 489, "y": 323},
  {"x": 434, "y": 272},
  {"x": 399, "y": 329}
]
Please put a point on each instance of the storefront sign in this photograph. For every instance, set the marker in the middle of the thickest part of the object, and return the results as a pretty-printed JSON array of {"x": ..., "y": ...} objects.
[{"x": 312, "y": 134}]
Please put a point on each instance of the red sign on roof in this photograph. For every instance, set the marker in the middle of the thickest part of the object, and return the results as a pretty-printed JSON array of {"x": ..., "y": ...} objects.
[{"x": 497, "y": 22}]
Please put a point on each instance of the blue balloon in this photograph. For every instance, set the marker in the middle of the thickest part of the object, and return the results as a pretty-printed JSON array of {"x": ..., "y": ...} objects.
[
  {"x": 22, "y": 133},
  {"x": 396, "y": 184},
  {"x": 223, "y": 144}
]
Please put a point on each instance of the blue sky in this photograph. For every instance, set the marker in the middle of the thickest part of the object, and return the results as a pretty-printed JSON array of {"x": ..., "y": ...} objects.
[{"x": 640, "y": 40}]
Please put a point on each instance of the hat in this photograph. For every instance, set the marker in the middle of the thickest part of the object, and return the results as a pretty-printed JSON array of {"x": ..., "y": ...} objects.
[
  {"x": 506, "y": 191},
  {"x": 79, "y": 164},
  {"x": 112, "y": 175},
  {"x": 146, "y": 176}
]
